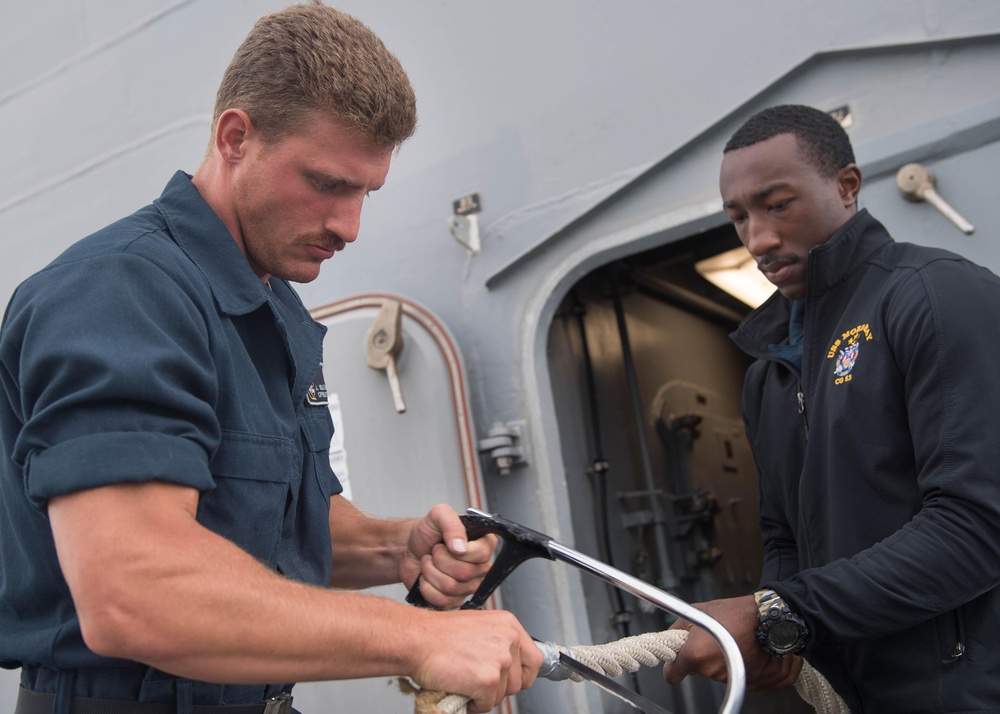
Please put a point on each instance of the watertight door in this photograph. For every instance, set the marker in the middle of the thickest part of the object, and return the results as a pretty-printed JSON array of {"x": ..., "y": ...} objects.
[{"x": 391, "y": 462}]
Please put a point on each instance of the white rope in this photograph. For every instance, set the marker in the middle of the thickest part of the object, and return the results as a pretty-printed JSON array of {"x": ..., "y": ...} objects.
[
  {"x": 451, "y": 704},
  {"x": 649, "y": 650}
]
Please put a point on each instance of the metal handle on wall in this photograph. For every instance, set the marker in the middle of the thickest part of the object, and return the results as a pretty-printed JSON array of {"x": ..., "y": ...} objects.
[{"x": 916, "y": 183}]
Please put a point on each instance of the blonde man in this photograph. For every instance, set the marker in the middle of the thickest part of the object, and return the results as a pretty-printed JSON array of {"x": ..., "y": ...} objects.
[{"x": 173, "y": 537}]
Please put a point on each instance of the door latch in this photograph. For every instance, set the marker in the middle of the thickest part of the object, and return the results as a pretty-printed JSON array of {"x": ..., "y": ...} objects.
[{"x": 384, "y": 343}]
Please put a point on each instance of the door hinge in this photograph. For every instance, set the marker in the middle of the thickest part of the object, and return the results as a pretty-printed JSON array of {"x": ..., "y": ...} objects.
[{"x": 501, "y": 445}]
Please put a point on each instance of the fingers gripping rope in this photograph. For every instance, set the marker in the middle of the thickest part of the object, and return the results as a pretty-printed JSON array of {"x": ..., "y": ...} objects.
[{"x": 647, "y": 650}]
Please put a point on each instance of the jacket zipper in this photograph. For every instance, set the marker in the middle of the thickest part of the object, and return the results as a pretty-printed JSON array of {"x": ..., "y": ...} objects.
[
  {"x": 960, "y": 632},
  {"x": 802, "y": 409}
]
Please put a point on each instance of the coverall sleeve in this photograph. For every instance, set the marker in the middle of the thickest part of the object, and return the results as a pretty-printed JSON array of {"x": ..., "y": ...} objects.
[{"x": 110, "y": 369}]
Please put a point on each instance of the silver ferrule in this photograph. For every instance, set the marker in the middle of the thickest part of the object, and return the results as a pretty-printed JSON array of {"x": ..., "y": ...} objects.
[{"x": 551, "y": 667}]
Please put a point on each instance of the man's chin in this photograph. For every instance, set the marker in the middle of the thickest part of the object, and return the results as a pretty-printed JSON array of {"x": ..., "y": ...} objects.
[
  {"x": 792, "y": 292},
  {"x": 300, "y": 274}
]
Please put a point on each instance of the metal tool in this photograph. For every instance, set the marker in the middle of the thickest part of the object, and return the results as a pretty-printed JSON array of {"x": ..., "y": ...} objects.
[
  {"x": 521, "y": 543},
  {"x": 557, "y": 665}
]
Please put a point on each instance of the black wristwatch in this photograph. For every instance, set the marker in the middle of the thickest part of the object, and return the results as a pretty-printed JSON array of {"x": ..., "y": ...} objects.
[{"x": 780, "y": 631}]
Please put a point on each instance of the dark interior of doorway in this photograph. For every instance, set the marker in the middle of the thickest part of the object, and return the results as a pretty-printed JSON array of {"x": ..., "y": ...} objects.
[{"x": 661, "y": 479}]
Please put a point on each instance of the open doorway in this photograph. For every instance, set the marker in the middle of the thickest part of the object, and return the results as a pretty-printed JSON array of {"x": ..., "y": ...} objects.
[{"x": 661, "y": 479}]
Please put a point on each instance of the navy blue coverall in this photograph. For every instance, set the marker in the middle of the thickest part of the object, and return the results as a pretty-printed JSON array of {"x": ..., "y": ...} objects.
[{"x": 151, "y": 351}]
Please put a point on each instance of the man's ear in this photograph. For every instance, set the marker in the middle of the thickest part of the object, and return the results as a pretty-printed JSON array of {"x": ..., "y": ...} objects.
[
  {"x": 231, "y": 133},
  {"x": 849, "y": 184}
]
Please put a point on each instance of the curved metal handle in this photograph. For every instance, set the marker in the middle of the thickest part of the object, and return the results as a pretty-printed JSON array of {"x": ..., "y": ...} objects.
[
  {"x": 737, "y": 681},
  {"x": 522, "y": 543}
]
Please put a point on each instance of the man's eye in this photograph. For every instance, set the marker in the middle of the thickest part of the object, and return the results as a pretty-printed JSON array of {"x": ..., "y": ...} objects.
[
  {"x": 780, "y": 205},
  {"x": 737, "y": 220},
  {"x": 325, "y": 186}
]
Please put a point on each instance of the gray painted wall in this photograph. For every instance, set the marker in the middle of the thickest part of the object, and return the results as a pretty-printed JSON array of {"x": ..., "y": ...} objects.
[
  {"x": 545, "y": 108},
  {"x": 533, "y": 104}
]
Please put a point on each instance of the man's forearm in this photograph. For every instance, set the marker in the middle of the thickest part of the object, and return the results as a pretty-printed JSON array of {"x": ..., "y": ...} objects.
[
  {"x": 938, "y": 560},
  {"x": 151, "y": 584},
  {"x": 367, "y": 551}
]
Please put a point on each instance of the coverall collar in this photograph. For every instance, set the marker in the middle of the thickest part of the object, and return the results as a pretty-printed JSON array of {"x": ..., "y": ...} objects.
[{"x": 202, "y": 235}]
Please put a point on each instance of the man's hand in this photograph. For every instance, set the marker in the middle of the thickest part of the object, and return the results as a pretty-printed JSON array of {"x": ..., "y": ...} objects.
[
  {"x": 450, "y": 565},
  {"x": 702, "y": 655},
  {"x": 482, "y": 654}
]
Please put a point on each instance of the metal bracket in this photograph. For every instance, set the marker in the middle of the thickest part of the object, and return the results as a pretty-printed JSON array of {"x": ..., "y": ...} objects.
[
  {"x": 501, "y": 444},
  {"x": 465, "y": 229},
  {"x": 638, "y": 519},
  {"x": 464, "y": 223}
]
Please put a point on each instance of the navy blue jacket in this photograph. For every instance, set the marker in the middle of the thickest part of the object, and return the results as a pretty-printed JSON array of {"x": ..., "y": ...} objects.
[
  {"x": 151, "y": 351},
  {"x": 879, "y": 468}
]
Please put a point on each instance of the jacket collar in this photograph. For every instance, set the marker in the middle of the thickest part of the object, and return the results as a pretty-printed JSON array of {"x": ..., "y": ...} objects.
[
  {"x": 202, "y": 235},
  {"x": 830, "y": 264},
  {"x": 845, "y": 253}
]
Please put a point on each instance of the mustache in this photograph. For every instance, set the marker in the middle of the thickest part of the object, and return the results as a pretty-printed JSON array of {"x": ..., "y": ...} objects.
[
  {"x": 327, "y": 241},
  {"x": 768, "y": 261}
]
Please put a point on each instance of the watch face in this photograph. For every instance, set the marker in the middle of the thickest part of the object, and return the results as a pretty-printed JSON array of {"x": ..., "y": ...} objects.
[{"x": 784, "y": 636}]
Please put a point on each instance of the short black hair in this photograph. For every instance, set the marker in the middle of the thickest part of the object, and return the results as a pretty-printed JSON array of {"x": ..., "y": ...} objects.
[{"x": 821, "y": 139}]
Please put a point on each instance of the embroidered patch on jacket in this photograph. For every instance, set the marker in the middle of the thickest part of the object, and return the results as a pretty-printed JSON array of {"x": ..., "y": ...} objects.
[
  {"x": 846, "y": 351},
  {"x": 316, "y": 395}
]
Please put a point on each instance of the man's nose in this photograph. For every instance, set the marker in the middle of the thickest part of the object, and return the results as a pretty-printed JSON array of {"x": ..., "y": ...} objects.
[
  {"x": 344, "y": 221},
  {"x": 760, "y": 237}
]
